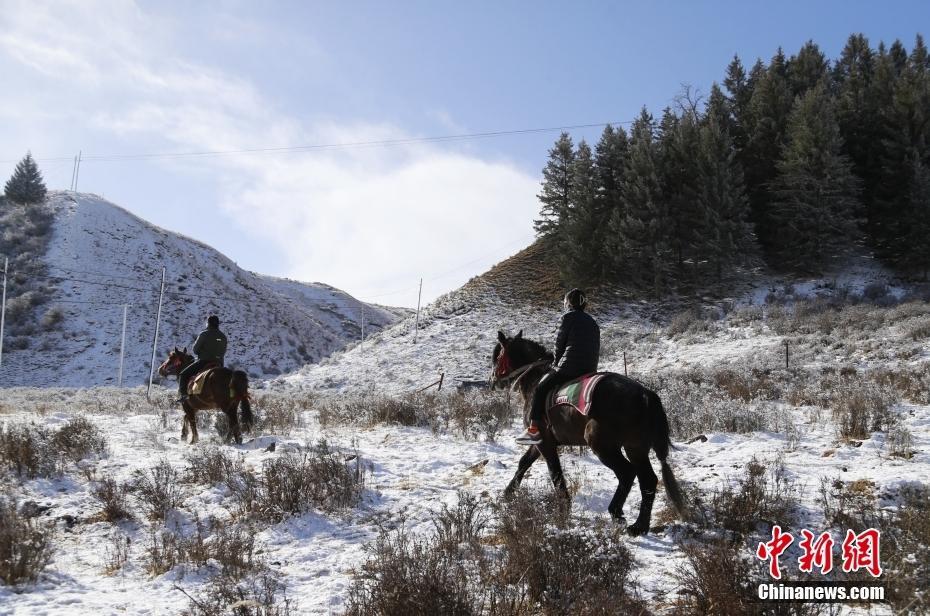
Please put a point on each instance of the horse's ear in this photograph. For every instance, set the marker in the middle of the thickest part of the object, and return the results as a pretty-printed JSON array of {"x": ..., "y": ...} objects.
[
  {"x": 501, "y": 337},
  {"x": 184, "y": 351},
  {"x": 519, "y": 335}
]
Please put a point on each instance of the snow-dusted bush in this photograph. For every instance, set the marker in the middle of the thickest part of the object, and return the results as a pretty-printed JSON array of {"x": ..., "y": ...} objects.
[
  {"x": 860, "y": 408},
  {"x": 158, "y": 489},
  {"x": 718, "y": 577},
  {"x": 212, "y": 465},
  {"x": 79, "y": 439},
  {"x": 280, "y": 414},
  {"x": 296, "y": 482},
  {"x": 25, "y": 545},
  {"x": 470, "y": 414},
  {"x": 113, "y": 496},
  {"x": 263, "y": 594},
  {"x": 535, "y": 562},
  {"x": 25, "y": 449},
  {"x": 764, "y": 495}
]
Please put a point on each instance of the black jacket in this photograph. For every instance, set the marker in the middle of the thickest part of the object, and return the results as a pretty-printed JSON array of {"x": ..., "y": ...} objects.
[
  {"x": 210, "y": 345},
  {"x": 578, "y": 343}
]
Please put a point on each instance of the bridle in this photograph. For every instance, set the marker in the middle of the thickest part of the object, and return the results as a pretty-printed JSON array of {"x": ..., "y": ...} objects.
[
  {"x": 176, "y": 365},
  {"x": 503, "y": 373}
]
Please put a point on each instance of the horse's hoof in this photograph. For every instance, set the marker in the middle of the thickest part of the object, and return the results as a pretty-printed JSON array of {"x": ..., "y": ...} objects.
[{"x": 637, "y": 529}]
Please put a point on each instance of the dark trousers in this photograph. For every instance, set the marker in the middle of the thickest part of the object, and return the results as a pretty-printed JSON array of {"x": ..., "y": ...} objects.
[
  {"x": 185, "y": 375},
  {"x": 551, "y": 381}
]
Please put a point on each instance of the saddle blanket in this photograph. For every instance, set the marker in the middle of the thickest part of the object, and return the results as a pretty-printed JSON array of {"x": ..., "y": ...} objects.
[
  {"x": 195, "y": 387},
  {"x": 577, "y": 393}
]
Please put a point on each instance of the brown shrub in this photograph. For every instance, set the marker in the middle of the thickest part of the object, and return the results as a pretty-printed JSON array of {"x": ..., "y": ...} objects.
[{"x": 25, "y": 545}]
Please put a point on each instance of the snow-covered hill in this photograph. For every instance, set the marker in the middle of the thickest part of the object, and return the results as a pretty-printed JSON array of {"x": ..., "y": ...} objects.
[
  {"x": 740, "y": 326},
  {"x": 100, "y": 257}
]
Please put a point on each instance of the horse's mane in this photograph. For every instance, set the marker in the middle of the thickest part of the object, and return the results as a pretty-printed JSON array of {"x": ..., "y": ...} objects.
[{"x": 534, "y": 348}]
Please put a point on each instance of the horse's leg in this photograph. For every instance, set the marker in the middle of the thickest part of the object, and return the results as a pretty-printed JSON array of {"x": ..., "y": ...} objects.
[
  {"x": 550, "y": 453},
  {"x": 192, "y": 420},
  {"x": 184, "y": 426},
  {"x": 531, "y": 455},
  {"x": 608, "y": 452},
  {"x": 232, "y": 418},
  {"x": 647, "y": 487}
]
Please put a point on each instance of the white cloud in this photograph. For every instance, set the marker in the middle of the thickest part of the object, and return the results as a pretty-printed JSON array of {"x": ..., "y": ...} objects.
[{"x": 367, "y": 219}]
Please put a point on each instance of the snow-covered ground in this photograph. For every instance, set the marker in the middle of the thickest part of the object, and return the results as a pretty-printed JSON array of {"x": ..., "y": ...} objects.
[
  {"x": 414, "y": 472},
  {"x": 100, "y": 257}
]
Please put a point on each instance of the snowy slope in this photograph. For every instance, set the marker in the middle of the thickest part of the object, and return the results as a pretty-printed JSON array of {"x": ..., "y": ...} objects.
[
  {"x": 456, "y": 334},
  {"x": 101, "y": 256}
]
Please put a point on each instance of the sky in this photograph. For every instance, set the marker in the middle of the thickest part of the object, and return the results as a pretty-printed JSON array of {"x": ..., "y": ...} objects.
[{"x": 137, "y": 87}]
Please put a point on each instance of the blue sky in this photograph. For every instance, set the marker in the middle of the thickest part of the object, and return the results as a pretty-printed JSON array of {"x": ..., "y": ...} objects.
[{"x": 155, "y": 77}]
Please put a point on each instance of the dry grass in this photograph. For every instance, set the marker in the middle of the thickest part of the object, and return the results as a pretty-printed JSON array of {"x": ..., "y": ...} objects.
[
  {"x": 480, "y": 560},
  {"x": 158, "y": 489},
  {"x": 113, "y": 496},
  {"x": 31, "y": 450},
  {"x": 25, "y": 545},
  {"x": 763, "y": 497},
  {"x": 293, "y": 483}
]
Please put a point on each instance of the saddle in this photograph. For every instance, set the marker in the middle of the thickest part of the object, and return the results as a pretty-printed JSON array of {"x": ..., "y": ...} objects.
[
  {"x": 195, "y": 387},
  {"x": 576, "y": 393}
]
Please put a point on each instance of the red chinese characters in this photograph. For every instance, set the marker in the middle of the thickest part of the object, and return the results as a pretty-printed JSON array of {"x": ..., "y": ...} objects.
[
  {"x": 859, "y": 551},
  {"x": 771, "y": 550},
  {"x": 819, "y": 552}
]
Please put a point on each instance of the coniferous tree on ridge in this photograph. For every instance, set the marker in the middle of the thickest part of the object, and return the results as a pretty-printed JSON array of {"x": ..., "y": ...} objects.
[
  {"x": 556, "y": 188},
  {"x": 578, "y": 236},
  {"x": 26, "y": 185}
]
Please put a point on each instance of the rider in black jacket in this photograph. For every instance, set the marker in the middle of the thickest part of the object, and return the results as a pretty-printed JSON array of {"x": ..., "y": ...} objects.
[{"x": 577, "y": 350}]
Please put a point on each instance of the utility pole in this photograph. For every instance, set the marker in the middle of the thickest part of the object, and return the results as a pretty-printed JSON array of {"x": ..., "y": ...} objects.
[
  {"x": 73, "y": 172},
  {"x": 161, "y": 296},
  {"x": 122, "y": 347},
  {"x": 6, "y": 266},
  {"x": 77, "y": 171},
  {"x": 416, "y": 330}
]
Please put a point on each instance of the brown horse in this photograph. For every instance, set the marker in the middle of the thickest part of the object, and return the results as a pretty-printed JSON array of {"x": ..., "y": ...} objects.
[
  {"x": 624, "y": 414},
  {"x": 223, "y": 389}
]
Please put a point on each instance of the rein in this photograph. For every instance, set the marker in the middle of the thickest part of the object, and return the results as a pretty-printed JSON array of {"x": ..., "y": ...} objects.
[{"x": 517, "y": 375}]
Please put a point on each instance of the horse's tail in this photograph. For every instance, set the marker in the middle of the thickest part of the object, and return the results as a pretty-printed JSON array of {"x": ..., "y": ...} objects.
[
  {"x": 239, "y": 388},
  {"x": 661, "y": 444}
]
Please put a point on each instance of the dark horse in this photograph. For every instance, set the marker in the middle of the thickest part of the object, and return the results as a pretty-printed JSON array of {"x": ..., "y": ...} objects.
[
  {"x": 624, "y": 414},
  {"x": 223, "y": 389}
]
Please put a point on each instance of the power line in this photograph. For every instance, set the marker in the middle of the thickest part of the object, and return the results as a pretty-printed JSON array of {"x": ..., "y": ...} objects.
[{"x": 326, "y": 146}]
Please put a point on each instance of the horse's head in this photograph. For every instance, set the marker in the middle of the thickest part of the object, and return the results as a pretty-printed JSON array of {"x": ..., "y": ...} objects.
[
  {"x": 511, "y": 354},
  {"x": 177, "y": 360}
]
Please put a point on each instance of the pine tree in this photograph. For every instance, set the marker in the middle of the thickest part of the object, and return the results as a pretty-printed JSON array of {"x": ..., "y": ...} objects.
[
  {"x": 739, "y": 87},
  {"x": 556, "y": 186},
  {"x": 815, "y": 195},
  {"x": 905, "y": 120},
  {"x": 724, "y": 233},
  {"x": 580, "y": 250},
  {"x": 641, "y": 231},
  {"x": 678, "y": 140},
  {"x": 770, "y": 106},
  {"x": 858, "y": 117},
  {"x": 916, "y": 257},
  {"x": 26, "y": 184},
  {"x": 806, "y": 69},
  {"x": 610, "y": 160}
]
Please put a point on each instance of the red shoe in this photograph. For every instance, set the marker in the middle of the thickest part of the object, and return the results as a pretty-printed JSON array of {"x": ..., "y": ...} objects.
[{"x": 532, "y": 436}]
